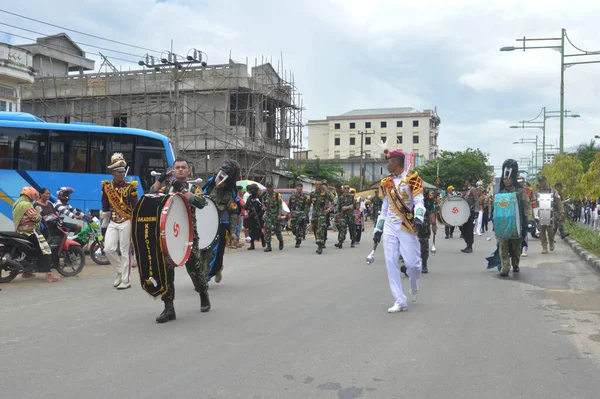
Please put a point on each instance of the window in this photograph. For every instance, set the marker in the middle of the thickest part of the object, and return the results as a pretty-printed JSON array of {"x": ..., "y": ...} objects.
[
  {"x": 336, "y": 141},
  {"x": 336, "y": 126},
  {"x": 8, "y": 145},
  {"x": 352, "y": 125},
  {"x": 336, "y": 154},
  {"x": 399, "y": 139},
  {"x": 383, "y": 124},
  {"x": 352, "y": 140},
  {"x": 31, "y": 149},
  {"x": 67, "y": 119},
  {"x": 98, "y": 156},
  {"x": 367, "y": 141},
  {"x": 68, "y": 151},
  {"x": 368, "y": 154},
  {"x": 398, "y": 123},
  {"x": 367, "y": 125},
  {"x": 416, "y": 139},
  {"x": 6, "y": 106},
  {"x": 383, "y": 139},
  {"x": 415, "y": 123},
  {"x": 120, "y": 120}
]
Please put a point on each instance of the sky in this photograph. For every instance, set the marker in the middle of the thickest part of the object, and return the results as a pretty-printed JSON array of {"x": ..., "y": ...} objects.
[{"x": 349, "y": 54}]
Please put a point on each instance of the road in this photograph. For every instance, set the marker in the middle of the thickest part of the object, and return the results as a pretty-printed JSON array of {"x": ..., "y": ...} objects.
[{"x": 293, "y": 324}]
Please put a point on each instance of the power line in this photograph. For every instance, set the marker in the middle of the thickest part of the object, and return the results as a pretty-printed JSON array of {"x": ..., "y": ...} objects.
[
  {"x": 79, "y": 32},
  {"x": 83, "y": 44}
]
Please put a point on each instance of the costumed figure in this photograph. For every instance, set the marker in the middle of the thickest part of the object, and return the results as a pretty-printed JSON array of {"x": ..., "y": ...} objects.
[
  {"x": 254, "y": 221},
  {"x": 118, "y": 200},
  {"x": 27, "y": 222},
  {"x": 512, "y": 210},
  {"x": 221, "y": 188},
  {"x": 272, "y": 204},
  {"x": 299, "y": 210},
  {"x": 403, "y": 213},
  {"x": 429, "y": 224},
  {"x": 467, "y": 229},
  {"x": 321, "y": 206},
  {"x": 550, "y": 210},
  {"x": 167, "y": 184},
  {"x": 344, "y": 208}
]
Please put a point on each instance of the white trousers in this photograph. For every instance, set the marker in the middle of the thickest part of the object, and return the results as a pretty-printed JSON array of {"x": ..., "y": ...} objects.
[
  {"x": 397, "y": 242},
  {"x": 479, "y": 222},
  {"x": 118, "y": 235}
]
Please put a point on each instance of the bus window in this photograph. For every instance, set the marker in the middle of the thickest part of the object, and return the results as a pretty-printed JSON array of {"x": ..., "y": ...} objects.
[
  {"x": 8, "y": 143},
  {"x": 124, "y": 145},
  {"x": 31, "y": 145},
  {"x": 98, "y": 153},
  {"x": 148, "y": 161},
  {"x": 68, "y": 151}
]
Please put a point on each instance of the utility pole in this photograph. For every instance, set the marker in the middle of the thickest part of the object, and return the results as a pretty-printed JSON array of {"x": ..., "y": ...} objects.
[{"x": 362, "y": 139}]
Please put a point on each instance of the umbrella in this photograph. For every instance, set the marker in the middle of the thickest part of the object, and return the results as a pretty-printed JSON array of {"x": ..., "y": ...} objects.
[{"x": 246, "y": 183}]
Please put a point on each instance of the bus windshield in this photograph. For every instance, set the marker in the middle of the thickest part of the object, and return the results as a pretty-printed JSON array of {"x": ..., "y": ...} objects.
[{"x": 51, "y": 155}]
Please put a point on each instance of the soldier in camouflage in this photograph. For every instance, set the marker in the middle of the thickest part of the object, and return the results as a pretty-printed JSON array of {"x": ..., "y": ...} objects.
[
  {"x": 429, "y": 224},
  {"x": 376, "y": 203},
  {"x": 321, "y": 203},
  {"x": 345, "y": 210},
  {"x": 299, "y": 210},
  {"x": 273, "y": 208}
]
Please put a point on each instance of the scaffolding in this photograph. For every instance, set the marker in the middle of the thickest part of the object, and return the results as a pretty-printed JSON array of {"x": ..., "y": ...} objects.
[{"x": 211, "y": 112}]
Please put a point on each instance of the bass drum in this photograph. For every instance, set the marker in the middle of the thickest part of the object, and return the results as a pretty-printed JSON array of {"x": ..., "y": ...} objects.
[
  {"x": 176, "y": 230},
  {"x": 454, "y": 211},
  {"x": 207, "y": 224}
]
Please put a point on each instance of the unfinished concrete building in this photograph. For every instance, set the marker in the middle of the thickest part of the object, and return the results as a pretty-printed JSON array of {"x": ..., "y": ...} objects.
[{"x": 212, "y": 112}]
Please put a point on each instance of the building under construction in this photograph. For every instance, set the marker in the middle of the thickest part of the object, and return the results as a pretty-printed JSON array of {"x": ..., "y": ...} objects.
[{"x": 212, "y": 112}]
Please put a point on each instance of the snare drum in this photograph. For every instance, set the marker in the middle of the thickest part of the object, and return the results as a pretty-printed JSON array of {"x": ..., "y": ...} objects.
[
  {"x": 454, "y": 211},
  {"x": 545, "y": 209},
  {"x": 207, "y": 223}
]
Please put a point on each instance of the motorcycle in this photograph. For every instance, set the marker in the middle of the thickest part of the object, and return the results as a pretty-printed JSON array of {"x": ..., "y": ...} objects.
[
  {"x": 18, "y": 255},
  {"x": 92, "y": 234}
]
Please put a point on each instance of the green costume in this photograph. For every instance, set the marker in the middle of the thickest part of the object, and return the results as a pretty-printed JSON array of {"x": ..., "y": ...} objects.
[
  {"x": 321, "y": 202},
  {"x": 346, "y": 217},
  {"x": 299, "y": 209},
  {"x": 273, "y": 204}
]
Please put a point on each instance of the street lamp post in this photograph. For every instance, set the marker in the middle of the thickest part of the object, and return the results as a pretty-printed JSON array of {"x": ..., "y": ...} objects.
[
  {"x": 563, "y": 66},
  {"x": 531, "y": 141}
]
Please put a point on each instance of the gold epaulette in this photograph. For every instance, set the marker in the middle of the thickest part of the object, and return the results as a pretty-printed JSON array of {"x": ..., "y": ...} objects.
[
  {"x": 134, "y": 183},
  {"x": 103, "y": 182}
]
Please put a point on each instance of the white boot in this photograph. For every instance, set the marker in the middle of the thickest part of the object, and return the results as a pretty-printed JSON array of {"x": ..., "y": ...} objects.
[
  {"x": 124, "y": 285},
  {"x": 397, "y": 308},
  {"x": 117, "y": 281}
]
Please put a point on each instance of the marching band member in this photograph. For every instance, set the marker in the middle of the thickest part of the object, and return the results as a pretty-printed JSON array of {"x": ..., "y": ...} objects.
[
  {"x": 118, "y": 200},
  {"x": 547, "y": 232},
  {"x": 165, "y": 184},
  {"x": 221, "y": 188},
  {"x": 467, "y": 229},
  {"x": 403, "y": 214},
  {"x": 510, "y": 249},
  {"x": 448, "y": 229}
]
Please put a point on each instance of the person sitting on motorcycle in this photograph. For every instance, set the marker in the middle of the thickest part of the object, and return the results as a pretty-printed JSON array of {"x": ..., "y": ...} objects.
[
  {"x": 27, "y": 222},
  {"x": 64, "y": 209}
]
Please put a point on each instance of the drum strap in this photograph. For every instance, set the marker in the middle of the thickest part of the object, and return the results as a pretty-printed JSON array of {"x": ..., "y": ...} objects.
[
  {"x": 116, "y": 201},
  {"x": 400, "y": 207}
]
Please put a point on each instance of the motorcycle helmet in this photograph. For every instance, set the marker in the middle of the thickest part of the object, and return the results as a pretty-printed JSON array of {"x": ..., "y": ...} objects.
[
  {"x": 64, "y": 193},
  {"x": 30, "y": 192}
]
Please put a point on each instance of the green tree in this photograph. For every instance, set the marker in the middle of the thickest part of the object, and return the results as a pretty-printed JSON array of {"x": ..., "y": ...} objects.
[
  {"x": 568, "y": 170},
  {"x": 591, "y": 178},
  {"x": 330, "y": 172},
  {"x": 586, "y": 152},
  {"x": 455, "y": 167},
  {"x": 355, "y": 182}
]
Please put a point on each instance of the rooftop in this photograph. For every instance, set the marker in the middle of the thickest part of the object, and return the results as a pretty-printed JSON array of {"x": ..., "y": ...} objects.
[{"x": 380, "y": 111}]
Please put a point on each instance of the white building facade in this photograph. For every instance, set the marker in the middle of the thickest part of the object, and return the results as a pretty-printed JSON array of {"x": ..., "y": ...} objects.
[
  {"x": 339, "y": 137},
  {"x": 16, "y": 69}
]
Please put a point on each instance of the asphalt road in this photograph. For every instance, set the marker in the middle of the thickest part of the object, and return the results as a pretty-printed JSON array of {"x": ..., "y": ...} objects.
[{"x": 293, "y": 324}]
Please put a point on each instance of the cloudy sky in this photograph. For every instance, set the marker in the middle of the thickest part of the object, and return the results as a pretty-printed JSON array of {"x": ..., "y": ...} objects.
[{"x": 348, "y": 54}]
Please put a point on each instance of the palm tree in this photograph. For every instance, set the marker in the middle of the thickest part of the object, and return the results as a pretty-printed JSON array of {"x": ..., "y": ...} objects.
[{"x": 587, "y": 152}]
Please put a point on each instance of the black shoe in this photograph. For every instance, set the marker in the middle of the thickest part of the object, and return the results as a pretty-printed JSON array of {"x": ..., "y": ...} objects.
[
  {"x": 467, "y": 250},
  {"x": 204, "y": 302},
  {"x": 424, "y": 270},
  {"x": 447, "y": 237},
  {"x": 168, "y": 314},
  {"x": 268, "y": 248},
  {"x": 565, "y": 235},
  {"x": 352, "y": 244},
  {"x": 339, "y": 245},
  {"x": 504, "y": 273},
  {"x": 280, "y": 245},
  {"x": 298, "y": 241},
  {"x": 263, "y": 243},
  {"x": 403, "y": 270},
  {"x": 251, "y": 247},
  {"x": 320, "y": 249},
  {"x": 516, "y": 269}
]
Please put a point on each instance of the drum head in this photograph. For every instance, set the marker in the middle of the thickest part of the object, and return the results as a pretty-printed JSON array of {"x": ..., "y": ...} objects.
[
  {"x": 207, "y": 224},
  {"x": 455, "y": 211},
  {"x": 176, "y": 230}
]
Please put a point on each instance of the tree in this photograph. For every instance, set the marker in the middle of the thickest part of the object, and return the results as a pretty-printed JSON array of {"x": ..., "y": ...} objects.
[
  {"x": 586, "y": 153},
  {"x": 355, "y": 182},
  {"x": 457, "y": 166},
  {"x": 332, "y": 173},
  {"x": 591, "y": 178},
  {"x": 568, "y": 170}
]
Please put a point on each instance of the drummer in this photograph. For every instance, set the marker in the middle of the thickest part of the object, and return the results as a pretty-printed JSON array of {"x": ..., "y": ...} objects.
[
  {"x": 176, "y": 181},
  {"x": 448, "y": 229}
]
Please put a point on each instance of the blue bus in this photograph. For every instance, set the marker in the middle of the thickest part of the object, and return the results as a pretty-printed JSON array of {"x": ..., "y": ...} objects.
[{"x": 40, "y": 154}]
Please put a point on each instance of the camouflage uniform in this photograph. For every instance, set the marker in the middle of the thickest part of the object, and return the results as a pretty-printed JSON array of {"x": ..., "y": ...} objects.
[
  {"x": 377, "y": 201},
  {"x": 273, "y": 204},
  {"x": 547, "y": 232},
  {"x": 425, "y": 231},
  {"x": 346, "y": 218},
  {"x": 298, "y": 207},
  {"x": 321, "y": 202},
  {"x": 510, "y": 249}
]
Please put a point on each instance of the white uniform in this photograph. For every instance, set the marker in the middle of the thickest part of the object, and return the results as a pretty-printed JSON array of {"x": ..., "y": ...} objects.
[{"x": 397, "y": 240}]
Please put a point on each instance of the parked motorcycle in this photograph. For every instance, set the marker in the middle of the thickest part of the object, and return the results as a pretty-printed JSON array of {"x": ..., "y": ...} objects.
[
  {"x": 18, "y": 255},
  {"x": 92, "y": 234}
]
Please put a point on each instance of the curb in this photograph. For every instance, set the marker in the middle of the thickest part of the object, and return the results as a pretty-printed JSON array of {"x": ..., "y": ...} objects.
[{"x": 585, "y": 255}]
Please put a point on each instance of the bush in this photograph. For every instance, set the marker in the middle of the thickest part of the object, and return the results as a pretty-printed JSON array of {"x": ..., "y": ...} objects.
[{"x": 587, "y": 238}]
